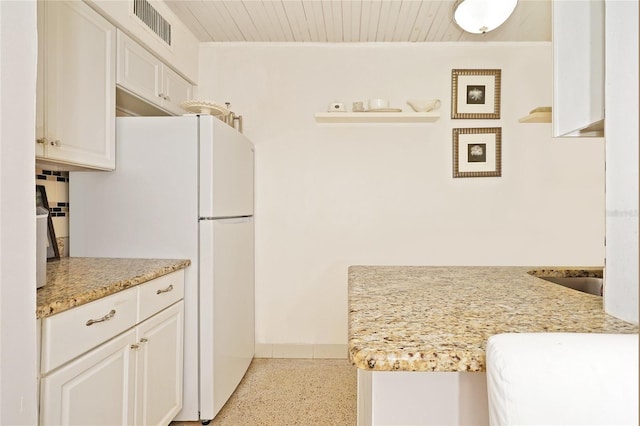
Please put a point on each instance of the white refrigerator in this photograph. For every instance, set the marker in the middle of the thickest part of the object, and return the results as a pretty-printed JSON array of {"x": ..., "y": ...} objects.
[{"x": 182, "y": 188}]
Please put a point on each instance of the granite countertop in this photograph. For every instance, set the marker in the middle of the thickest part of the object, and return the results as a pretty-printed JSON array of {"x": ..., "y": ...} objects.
[
  {"x": 74, "y": 281},
  {"x": 420, "y": 318}
]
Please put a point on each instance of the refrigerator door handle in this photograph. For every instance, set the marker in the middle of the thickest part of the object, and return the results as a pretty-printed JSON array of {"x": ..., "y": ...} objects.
[{"x": 230, "y": 220}]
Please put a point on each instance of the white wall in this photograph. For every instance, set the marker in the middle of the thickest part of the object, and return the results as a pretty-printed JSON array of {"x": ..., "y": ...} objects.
[
  {"x": 18, "y": 51},
  {"x": 333, "y": 195},
  {"x": 621, "y": 130}
]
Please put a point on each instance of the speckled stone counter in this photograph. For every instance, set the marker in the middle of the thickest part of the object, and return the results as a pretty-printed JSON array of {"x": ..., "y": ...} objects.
[
  {"x": 74, "y": 281},
  {"x": 414, "y": 318}
]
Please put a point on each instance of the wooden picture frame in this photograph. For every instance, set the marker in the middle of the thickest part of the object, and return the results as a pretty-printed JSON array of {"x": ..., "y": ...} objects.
[
  {"x": 475, "y": 94},
  {"x": 53, "y": 252},
  {"x": 477, "y": 152}
]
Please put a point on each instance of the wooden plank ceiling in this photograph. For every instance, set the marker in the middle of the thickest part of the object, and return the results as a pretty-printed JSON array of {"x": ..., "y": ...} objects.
[{"x": 350, "y": 21}]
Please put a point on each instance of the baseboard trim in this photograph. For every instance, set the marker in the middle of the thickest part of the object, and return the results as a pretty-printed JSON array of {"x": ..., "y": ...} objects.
[{"x": 308, "y": 351}]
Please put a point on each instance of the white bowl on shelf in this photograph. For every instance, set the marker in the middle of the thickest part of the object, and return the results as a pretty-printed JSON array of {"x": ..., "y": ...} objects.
[
  {"x": 420, "y": 105},
  {"x": 376, "y": 104}
]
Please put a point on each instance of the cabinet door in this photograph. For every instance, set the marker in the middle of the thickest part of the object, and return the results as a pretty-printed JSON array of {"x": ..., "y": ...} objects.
[
  {"x": 139, "y": 71},
  {"x": 40, "y": 84},
  {"x": 95, "y": 389},
  {"x": 176, "y": 91},
  {"x": 578, "y": 68},
  {"x": 159, "y": 367},
  {"x": 79, "y": 85}
]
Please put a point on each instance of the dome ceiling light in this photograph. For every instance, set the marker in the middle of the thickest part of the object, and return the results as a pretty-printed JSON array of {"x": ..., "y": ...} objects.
[{"x": 481, "y": 16}]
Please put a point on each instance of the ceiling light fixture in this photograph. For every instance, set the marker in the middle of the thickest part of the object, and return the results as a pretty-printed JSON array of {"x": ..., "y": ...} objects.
[{"x": 481, "y": 16}]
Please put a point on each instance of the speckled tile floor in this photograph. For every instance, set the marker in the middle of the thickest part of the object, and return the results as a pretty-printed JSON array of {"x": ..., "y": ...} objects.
[{"x": 287, "y": 392}]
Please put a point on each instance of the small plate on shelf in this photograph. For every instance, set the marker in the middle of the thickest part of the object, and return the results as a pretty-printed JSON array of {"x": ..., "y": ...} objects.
[
  {"x": 204, "y": 107},
  {"x": 385, "y": 110}
]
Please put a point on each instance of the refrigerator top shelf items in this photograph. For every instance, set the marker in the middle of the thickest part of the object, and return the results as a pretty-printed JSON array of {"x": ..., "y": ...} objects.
[{"x": 205, "y": 107}]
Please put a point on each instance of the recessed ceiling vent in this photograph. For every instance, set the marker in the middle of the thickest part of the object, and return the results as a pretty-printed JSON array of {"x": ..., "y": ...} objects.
[{"x": 152, "y": 19}]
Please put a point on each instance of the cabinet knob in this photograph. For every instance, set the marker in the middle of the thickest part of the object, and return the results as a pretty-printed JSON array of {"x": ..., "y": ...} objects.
[
  {"x": 56, "y": 143},
  {"x": 167, "y": 98},
  {"x": 144, "y": 340},
  {"x": 161, "y": 95},
  {"x": 41, "y": 141},
  {"x": 135, "y": 346}
]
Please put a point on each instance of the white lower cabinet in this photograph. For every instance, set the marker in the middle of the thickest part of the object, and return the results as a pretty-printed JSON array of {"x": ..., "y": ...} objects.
[
  {"x": 95, "y": 389},
  {"x": 159, "y": 367},
  {"x": 131, "y": 378},
  {"x": 426, "y": 398}
]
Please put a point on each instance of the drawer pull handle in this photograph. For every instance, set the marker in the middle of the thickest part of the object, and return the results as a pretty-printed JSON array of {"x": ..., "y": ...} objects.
[
  {"x": 107, "y": 317},
  {"x": 165, "y": 290}
]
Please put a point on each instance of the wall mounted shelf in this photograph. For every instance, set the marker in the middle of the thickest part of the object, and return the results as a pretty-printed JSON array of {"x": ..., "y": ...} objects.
[
  {"x": 538, "y": 115},
  {"x": 376, "y": 117}
]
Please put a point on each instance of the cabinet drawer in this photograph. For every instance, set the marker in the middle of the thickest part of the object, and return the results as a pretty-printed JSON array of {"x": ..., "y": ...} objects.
[
  {"x": 159, "y": 293},
  {"x": 73, "y": 332}
]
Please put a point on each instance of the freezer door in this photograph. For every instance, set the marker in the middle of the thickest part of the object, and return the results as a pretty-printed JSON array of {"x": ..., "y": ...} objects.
[
  {"x": 226, "y": 170},
  {"x": 227, "y": 331}
]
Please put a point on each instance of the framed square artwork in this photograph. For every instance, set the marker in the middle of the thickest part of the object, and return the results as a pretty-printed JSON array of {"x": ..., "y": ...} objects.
[
  {"x": 477, "y": 152},
  {"x": 475, "y": 93}
]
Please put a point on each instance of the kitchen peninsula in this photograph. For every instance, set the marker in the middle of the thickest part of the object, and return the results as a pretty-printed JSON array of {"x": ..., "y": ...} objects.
[{"x": 418, "y": 334}]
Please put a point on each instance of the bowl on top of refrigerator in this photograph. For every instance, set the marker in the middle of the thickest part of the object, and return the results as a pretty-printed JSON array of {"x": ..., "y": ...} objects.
[{"x": 205, "y": 107}]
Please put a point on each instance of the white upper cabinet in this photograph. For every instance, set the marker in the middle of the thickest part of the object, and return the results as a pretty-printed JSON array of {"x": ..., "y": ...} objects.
[
  {"x": 138, "y": 70},
  {"x": 176, "y": 90},
  {"x": 75, "y": 123},
  {"x": 144, "y": 75},
  {"x": 578, "y": 68}
]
